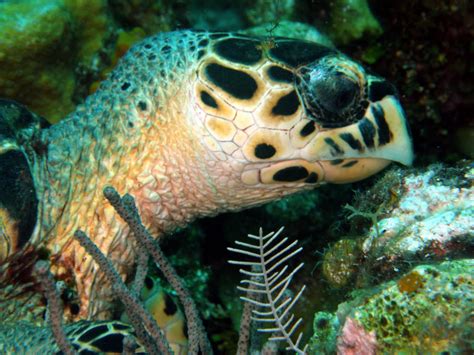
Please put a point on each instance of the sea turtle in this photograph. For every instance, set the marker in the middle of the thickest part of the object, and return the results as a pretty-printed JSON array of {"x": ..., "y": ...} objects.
[{"x": 191, "y": 124}]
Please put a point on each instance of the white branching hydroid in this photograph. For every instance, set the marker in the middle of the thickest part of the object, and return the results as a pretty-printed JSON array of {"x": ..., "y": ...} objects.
[{"x": 266, "y": 285}]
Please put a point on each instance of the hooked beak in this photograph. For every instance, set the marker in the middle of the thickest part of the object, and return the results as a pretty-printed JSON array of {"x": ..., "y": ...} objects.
[{"x": 354, "y": 152}]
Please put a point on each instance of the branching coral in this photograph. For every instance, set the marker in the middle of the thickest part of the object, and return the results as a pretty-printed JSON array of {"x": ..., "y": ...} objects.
[
  {"x": 147, "y": 330},
  {"x": 55, "y": 307},
  {"x": 125, "y": 207}
]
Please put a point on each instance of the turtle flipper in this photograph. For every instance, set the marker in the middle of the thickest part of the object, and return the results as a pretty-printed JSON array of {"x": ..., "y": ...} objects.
[{"x": 18, "y": 202}]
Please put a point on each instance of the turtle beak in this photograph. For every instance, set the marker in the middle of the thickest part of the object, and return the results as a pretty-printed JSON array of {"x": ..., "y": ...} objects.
[{"x": 359, "y": 150}]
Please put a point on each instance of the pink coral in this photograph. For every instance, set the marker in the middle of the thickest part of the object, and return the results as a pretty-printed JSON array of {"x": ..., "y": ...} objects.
[{"x": 355, "y": 340}]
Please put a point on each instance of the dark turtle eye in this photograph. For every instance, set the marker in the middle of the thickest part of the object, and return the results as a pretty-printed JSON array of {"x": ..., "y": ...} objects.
[
  {"x": 332, "y": 94},
  {"x": 335, "y": 92}
]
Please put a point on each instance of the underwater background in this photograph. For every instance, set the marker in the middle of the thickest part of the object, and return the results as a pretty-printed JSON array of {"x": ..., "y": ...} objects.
[{"x": 388, "y": 261}]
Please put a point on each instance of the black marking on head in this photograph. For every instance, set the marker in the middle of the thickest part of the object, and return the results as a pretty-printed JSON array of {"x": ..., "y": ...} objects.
[
  {"x": 125, "y": 86},
  {"x": 383, "y": 130},
  {"x": 83, "y": 326},
  {"x": 367, "y": 130},
  {"x": 18, "y": 194},
  {"x": 201, "y": 53},
  {"x": 152, "y": 56},
  {"x": 203, "y": 43},
  {"x": 287, "y": 105},
  {"x": 336, "y": 150},
  {"x": 165, "y": 49},
  {"x": 207, "y": 99},
  {"x": 264, "y": 151},
  {"x": 238, "y": 50},
  {"x": 296, "y": 53},
  {"x": 349, "y": 164},
  {"x": 142, "y": 105},
  {"x": 353, "y": 142},
  {"x": 312, "y": 178},
  {"x": 120, "y": 326},
  {"x": 170, "y": 306},
  {"x": 93, "y": 333},
  {"x": 308, "y": 129},
  {"x": 379, "y": 89},
  {"x": 235, "y": 82},
  {"x": 336, "y": 161},
  {"x": 291, "y": 174},
  {"x": 148, "y": 46},
  {"x": 111, "y": 343},
  {"x": 280, "y": 74}
]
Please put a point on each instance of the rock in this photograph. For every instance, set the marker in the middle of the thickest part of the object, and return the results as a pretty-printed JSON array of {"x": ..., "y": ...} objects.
[
  {"x": 433, "y": 219},
  {"x": 414, "y": 216}
]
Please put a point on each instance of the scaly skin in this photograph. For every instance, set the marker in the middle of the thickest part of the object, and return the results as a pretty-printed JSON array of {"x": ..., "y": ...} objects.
[
  {"x": 150, "y": 131},
  {"x": 160, "y": 161}
]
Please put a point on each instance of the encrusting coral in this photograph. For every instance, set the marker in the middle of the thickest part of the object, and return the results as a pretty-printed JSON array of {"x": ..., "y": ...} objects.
[{"x": 424, "y": 310}]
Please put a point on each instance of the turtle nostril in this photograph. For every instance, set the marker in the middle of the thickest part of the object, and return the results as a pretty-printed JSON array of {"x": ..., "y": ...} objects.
[{"x": 335, "y": 92}]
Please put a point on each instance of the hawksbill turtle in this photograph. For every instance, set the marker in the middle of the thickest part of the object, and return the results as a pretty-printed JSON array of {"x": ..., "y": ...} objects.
[{"x": 191, "y": 124}]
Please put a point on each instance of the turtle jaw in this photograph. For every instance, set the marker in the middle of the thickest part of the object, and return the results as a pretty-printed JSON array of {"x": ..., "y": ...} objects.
[
  {"x": 344, "y": 172},
  {"x": 357, "y": 151}
]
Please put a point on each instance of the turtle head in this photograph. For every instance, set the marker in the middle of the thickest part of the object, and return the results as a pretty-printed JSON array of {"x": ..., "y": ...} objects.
[
  {"x": 360, "y": 123},
  {"x": 296, "y": 112}
]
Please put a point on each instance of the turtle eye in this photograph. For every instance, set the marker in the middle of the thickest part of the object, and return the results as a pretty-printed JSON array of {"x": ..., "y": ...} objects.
[{"x": 333, "y": 92}]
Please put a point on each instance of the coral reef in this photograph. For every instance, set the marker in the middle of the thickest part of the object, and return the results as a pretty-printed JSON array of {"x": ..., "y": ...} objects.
[
  {"x": 422, "y": 216},
  {"x": 325, "y": 331},
  {"x": 354, "y": 340},
  {"x": 433, "y": 219},
  {"x": 425, "y": 214},
  {"x": 150, "y": 16},
  {"x": 268, "y": 11},
  {"x": 215, "y": 15},
  {"x": 352, "y": 20},
  {"x": 341, "y": 262},
  {"x": 41, "y": 44},
  {"x": 426, "y": 311}
]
